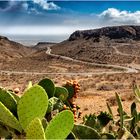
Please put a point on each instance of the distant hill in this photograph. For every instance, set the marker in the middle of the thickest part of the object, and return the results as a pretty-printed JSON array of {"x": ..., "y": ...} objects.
[
  {"x": 115, "y": 32},
  {"x": 43, "y": 45},
  {"x": 117, "y": 44},
  {"x": 10, "y": 49}
]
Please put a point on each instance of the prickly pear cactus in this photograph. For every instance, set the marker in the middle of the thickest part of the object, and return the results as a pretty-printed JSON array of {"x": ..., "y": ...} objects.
[
  {"x": 71, "y": 136},
  {"x": 33, "y": 103},
  {"x": 90, "y": 120},
  {"x": 107, "y": 136},
  {"x": 7, "y": 118},
  {"x": 17, "y": 98},
  {"x": 3, "y": 131},
  {"x": 120, "y": 109},
  {"x": 55, "y": 103},
  {"x": 73, "y": 88},
  {"x": 104, "y": 118},
  {"x": 8, "y": 100},
  {"x": 85, "y": 132},
  {"x": 124, "y": 134},
  {"x": 35, "y": 130},
  {"x": 49, "y": 86},
  {"x": 60, "y": 126},
  {"x": 61, "y": 93}
]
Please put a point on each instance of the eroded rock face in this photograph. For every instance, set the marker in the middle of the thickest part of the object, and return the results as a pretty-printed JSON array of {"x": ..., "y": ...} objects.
[
  {"x": 3, "y": 38},
  {"x": 115, "y": 32}
]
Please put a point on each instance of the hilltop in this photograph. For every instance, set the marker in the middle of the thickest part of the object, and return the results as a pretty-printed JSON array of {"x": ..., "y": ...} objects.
[
  {"x": 10, "y": 50},
  {"x": 114, "y": 32},
  {"x": 109, "y": 45}
]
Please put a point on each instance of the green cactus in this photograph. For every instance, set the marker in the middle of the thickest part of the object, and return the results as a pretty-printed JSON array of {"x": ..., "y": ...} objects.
[
  {"x": 35, "y": 130},
  {"x": 4, "y": 133},
  {"x": 44, "y": 123},
  {"x": 123, "y": 133},
  {"x": 133, "y": 109},
  {"x": 60, "y": 126},
  {"x": 85, "y": 132},
  {"x": 107, "y": 136},
  {"x": 90, "y": 120},
  {"x": 7, "y": 118},
  {"x": 97, "y": 122},
  {"x": 61, "y": 93},
  {"x": 120, "y": 109},
  {"x": 109, "y": 109},
  {"x": 104, "y": 118},
  {"x": 17, "y": 98},
  {"x": 55, "y": 103},
  {"x": 138, "y": 131},
  {"x": 8, "y": 100},
  {"x": 32, "y": 104},
  {"x": 71, "y": 90},
  {"x": 71, "y": 136},
  {"x": 49, "y": 86}
]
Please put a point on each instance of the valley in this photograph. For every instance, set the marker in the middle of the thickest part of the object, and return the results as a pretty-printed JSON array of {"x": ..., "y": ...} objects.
[{"x": 102, "y": 65}]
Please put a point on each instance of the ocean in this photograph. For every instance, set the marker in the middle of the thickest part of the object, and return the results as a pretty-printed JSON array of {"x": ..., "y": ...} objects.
[{"x": 31, "y": 40}]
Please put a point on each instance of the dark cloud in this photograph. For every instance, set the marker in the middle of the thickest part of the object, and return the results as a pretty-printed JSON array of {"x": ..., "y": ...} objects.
[{"x": 6, "y": 6}]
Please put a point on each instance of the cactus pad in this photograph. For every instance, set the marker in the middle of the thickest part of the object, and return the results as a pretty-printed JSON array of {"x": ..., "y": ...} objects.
[
  {"x": 85, "y": 132},
  {"x": 17, "y": 98},
  {"x": 7, "y": 118},
  {"x": 107, "y": 136},
  {"x": 3, "y": 131},
  {"x": 60, "y": 126},
  {"x": 120, "y": 109},
  {"x": 61, "y": 93},
  {"x": 35, "y": 130},
  {"x": 32, "y": 104},
  {"x": 8, "y": 100},
  {"x": 104, "y": 118},
  {"x": 71, "y": 90},
  {"x": 55, "y": 103},
  {"x": 49, "y": 86}
]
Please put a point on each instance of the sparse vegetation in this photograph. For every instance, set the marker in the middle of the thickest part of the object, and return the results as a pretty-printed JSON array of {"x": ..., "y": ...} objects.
[{"x": 40, "y": 111}]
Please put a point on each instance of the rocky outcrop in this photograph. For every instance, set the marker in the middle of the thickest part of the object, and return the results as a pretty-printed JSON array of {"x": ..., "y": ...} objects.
[{"x": 115, "y": 32}]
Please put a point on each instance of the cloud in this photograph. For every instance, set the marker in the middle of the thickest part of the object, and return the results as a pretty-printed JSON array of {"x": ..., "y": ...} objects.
[
  {"x": 32, "y": 6},
  {"x": 38, "y": 30},
  {"x": 115, "y": 16},
  {"x": 9, "y": 5},
  {"x": 44, "y": 4}
]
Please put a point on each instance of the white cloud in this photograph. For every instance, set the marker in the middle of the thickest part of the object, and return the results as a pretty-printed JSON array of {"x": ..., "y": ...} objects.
[
  {"x": 39, "y": 30},
  {"x": 25, "y": 6},
  {"x": 46, "y": 5},
  {"x": 115, "y": 16}
]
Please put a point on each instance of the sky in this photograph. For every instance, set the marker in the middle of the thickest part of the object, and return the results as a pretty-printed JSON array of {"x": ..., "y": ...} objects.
[{"x": 58, "y": 19}]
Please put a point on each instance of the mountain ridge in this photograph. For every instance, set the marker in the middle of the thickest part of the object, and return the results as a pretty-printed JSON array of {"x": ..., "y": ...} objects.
[{"x": 112, "y": 32}]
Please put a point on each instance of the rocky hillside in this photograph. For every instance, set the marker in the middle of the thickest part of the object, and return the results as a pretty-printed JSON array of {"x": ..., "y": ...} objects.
[
  {"x": 43, "y": 45},
  {"x": 10, "y": 49},
  {"x": 104, "y": 45},
  {"x": 116, "y": 32}
]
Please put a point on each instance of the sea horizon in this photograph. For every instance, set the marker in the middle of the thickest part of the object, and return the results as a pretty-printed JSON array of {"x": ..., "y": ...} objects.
[{"x": 31, "y": 40}]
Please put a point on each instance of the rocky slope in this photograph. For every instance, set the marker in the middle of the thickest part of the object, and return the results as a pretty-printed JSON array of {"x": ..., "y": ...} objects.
[
  {"x": 104, "y": 45},
  {"x": 116, "y": 32},
  {"x": 10, "y": 49}
]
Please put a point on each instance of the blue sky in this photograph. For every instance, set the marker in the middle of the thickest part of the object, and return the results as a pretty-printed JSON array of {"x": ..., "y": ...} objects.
[{"x": 54, "y": 18}]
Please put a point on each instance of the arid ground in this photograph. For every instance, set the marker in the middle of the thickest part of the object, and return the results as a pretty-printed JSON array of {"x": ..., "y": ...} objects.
[{"x": 100, "y": 64}]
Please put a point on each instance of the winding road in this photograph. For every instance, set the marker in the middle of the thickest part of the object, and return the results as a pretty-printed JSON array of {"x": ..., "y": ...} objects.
[
  {"x": 127, "y": 69},
  {"x": 48, "y": 52}
]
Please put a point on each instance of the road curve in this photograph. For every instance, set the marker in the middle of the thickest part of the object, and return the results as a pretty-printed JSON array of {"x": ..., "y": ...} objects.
[
  {"x": 127, "y": 69},
  {"x": 48, "y": 52}
]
